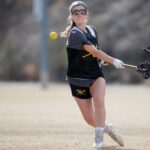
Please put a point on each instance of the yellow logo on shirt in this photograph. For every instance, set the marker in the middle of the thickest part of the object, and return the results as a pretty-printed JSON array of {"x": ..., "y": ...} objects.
[
  {"x": 89, "y": 54},
  {"x": 86, "y": 55}
]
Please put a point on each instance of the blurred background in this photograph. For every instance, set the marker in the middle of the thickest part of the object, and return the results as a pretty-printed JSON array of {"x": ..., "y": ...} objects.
[{"x": 123, "y": 27}]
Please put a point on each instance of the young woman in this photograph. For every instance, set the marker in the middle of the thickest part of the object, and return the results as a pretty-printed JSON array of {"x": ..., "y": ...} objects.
[{"x": 85, "y": 74}]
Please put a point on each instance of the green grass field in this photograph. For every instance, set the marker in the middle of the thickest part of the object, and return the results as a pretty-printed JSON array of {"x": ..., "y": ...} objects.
[{"x": 35, "y": 119}]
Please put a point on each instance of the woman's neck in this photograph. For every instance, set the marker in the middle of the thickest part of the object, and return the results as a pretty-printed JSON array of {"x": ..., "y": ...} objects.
[{"x": 82, "y": 28}]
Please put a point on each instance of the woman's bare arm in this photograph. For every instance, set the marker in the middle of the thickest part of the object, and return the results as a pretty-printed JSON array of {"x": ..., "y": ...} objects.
[{"x": 98, "y": 53}]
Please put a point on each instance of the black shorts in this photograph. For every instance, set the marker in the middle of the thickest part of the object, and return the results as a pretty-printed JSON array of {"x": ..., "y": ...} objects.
[
  {"x": 80, "y": 87},
  {"x": 80, "y": 92}
]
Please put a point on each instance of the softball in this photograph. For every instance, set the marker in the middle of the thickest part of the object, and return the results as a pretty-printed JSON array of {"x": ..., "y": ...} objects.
[{"x": 53, "y": 35}]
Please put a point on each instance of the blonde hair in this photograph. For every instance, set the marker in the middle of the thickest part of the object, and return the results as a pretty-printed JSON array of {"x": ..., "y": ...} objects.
[{"x": 66, "y": 32}]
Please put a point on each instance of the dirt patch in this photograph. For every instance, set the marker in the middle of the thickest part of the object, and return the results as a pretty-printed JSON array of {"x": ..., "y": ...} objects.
[{"x": 35, "y": 119}]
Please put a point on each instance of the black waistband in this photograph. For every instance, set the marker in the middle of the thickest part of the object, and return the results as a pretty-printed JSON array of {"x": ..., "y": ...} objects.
[{"x": 80, "y": 81}]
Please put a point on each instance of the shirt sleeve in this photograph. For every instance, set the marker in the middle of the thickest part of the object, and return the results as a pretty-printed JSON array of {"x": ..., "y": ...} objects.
[{"x": 77, "y": 39}]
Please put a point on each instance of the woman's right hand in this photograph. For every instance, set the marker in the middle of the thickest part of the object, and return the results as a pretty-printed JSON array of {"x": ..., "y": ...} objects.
[{"x": 118, "y": 63}]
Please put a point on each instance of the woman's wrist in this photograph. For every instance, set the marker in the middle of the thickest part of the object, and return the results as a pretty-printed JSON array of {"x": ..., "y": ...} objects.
[{"x": 118, "y": 63}]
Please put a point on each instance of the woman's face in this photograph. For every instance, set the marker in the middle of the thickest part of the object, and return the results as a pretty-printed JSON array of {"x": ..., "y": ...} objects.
[{"x": 80, "y": 17}]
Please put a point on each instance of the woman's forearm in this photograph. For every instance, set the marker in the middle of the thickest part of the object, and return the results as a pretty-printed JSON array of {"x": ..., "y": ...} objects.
[
  {"x": 98, "y": 53},
  {"x": 103, "y": 56}
]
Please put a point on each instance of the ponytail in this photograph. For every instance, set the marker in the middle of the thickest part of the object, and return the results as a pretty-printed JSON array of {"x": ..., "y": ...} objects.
[{"x": 66, "y": 33}]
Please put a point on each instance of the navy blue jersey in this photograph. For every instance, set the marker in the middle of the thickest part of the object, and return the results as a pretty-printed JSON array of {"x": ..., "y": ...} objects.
[{"x": 82, "y": 65}]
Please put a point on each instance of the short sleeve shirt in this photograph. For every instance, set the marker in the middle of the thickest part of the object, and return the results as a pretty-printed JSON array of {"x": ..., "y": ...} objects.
[
  {"x": 79, "y": 67},
  {"x": 77, "y": 39}
]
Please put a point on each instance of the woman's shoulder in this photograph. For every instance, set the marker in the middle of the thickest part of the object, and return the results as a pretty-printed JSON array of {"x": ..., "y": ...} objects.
[
  {"x": 76, "y": 32},
  {"x": 92, "y": 30},
  {"x": 91, "y": 26}
]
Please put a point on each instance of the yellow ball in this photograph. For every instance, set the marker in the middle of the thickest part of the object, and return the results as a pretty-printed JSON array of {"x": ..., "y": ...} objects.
[{"x": 53, "y": 35}]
